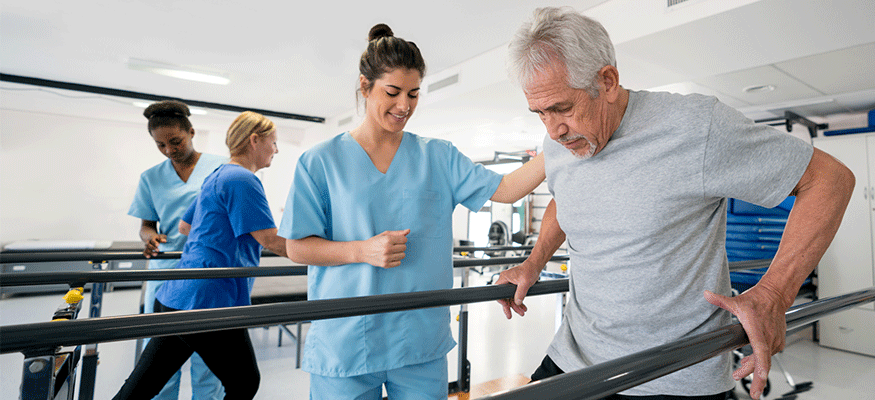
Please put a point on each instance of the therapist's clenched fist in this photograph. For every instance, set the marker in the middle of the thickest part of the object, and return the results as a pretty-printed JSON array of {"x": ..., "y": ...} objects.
[{"x": 385, "y": 250}]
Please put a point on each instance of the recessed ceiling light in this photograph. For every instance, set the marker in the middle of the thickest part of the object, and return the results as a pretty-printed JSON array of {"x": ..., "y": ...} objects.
[
  {"x": 179, "y": 72},
  {"x": 759, "y": 88},
  {"x": 194, "y": 111}
]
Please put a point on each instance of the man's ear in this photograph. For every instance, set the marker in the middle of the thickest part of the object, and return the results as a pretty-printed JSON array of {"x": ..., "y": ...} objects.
[{"x": 610, "y": 81}]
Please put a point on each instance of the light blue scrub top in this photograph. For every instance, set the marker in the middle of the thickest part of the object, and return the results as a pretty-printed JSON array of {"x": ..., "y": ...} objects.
[
  {"x": 163, "y": 197},
  {"x": 338, "y": 194}
]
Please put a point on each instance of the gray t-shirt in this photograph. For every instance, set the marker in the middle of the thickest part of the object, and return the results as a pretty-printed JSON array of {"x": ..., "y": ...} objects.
[{"x": 645, "y": 220}]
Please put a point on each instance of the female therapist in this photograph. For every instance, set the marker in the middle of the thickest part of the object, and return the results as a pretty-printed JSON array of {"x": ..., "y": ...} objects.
[
  {"x": 164, "y": 193},
  {"x": 371, "y": 212},
  {"x": 227, "y": 226}
]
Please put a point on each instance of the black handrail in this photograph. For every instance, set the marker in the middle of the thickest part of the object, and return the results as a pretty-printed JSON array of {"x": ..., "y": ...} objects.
[
  {"x": 80, "y": 278},
  {"x": 104, "y": 255},
  {"x": 459, "y": 249},
  {"x": 46, "y": 336},
  {"x": 749, "y": 264},
  {"x": 614, "y": 376},
  {"x": 476, "y": 262}
]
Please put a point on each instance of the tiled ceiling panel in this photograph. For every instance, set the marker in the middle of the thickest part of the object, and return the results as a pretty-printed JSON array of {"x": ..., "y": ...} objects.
[
  {"x": 691, "y": 87},
  {"x": 841, "y": 71},
  {"x": 786, "y": 87}
]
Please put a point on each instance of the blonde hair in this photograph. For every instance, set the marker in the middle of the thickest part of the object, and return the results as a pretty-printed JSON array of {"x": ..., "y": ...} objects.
[{"x": 246, "y": 124}]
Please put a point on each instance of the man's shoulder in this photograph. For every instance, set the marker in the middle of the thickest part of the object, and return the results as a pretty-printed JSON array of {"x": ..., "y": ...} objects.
[{"x": 648, "y": 98}]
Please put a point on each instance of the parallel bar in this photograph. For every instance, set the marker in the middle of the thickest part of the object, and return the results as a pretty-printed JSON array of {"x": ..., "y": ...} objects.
[
  {"x": 12, "y": 257},
  {"x": 21, "y": 257},
  {"x": 493, "y": 248},
  {"x": 749, "y": 264},
  {"x": 48, "y": 335},
  {"x": 476, "y": 262},
  {"x": 26, "y": 80},
  {"x": 614, "y": 376},
  {"x": 80, "y": 278}
]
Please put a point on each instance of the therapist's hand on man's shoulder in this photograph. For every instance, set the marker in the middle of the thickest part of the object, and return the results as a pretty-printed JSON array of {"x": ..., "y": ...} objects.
[{"x": 385, "y": 250}]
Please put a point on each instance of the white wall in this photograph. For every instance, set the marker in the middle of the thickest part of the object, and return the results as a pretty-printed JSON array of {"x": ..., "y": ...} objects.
[{"x": 73, "y": 178}]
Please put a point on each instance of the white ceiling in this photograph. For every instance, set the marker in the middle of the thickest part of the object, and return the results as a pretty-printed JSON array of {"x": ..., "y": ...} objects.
[{"x": 301, "y": 57}]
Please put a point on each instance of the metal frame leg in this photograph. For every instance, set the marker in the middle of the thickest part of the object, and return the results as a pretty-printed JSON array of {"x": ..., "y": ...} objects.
[
  {"x": 90, "y": 359},
  {"x": 296, "y": 337},
  {"x": 463, "y": 382},
  {"x": 37, "y": 379},
  {"x": 49, "y": 377},
  {"x": 797, "y": 387}
]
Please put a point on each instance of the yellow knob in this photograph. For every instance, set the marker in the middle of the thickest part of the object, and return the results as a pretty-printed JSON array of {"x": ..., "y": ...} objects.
[
  {"x": 74, "y": 296},
  {"x": 457, "y": 318},
  {"x": 564, "y": 267},
  {"x": 464, "y": 254}
]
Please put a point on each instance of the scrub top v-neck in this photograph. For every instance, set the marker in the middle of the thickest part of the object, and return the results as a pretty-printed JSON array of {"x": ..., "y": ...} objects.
[
  {"x": 163, "y": 196},
  {"x": 338, "y": 194}
]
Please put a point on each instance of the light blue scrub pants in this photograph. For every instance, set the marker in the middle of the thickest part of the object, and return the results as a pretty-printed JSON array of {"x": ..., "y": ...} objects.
[
  {"x": 204, "y": 385},
  {"x": 426, "y": 381}
]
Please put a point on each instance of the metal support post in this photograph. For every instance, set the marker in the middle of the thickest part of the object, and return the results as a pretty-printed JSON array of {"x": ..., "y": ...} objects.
[
  {"x": 38, "y": 379},
  {"x": 90, "y": 359},
  {"x": 463, "y": 382},
  {"x": 50, "y": 377},
  {"x": 464, "y": 365}
]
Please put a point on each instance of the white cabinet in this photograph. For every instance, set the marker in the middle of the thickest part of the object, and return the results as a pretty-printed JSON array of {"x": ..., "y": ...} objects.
[{"x": 848, "y": 264}]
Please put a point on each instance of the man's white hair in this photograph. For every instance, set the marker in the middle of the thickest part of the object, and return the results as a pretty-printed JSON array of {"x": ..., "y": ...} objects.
[{"x": 564, "y": 35}]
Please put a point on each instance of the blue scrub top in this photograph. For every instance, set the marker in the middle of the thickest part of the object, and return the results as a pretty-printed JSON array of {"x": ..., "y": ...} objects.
[
  {"x": 163, "y": 197},
  {"x": 338, "y": 194},
  {"x": 230, "y": 206}
]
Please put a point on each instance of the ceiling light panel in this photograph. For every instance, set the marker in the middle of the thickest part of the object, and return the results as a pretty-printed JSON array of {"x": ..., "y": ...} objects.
[{"x": 179, "y": 72}]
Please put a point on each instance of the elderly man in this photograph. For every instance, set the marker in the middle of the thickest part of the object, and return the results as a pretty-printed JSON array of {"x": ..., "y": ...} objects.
[{"x": 640, "y": 183}]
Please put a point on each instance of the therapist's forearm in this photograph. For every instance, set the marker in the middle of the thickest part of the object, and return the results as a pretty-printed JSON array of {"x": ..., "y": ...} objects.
[
  {"x": 521, "y": 182},
  {"x": 315, "y": 250},
  {"x": 148, "y": 230}
]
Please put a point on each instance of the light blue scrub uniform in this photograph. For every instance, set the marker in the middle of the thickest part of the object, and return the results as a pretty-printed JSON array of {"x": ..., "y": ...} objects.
[
  {"x": 339, "y": 195},
  {"x": 163, "y": 197}
]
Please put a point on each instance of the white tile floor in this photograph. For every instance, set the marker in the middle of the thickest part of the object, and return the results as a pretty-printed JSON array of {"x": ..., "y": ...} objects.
[{"x": 497, "y": 348}]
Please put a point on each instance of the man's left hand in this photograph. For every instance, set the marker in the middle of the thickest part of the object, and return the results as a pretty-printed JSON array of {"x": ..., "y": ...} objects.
[{"x": 760, "y": 310}]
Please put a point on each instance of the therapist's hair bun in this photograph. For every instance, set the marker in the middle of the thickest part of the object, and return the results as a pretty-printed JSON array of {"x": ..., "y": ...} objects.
[
  {"x": 168, "y": 113},
  {"x": 380, "y": 31}
]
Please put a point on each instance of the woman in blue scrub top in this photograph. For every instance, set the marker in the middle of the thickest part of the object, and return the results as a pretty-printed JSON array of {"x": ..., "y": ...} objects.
[
  {"x": 164, "y": 193},
  {"x": 227, "y": 226},
  {"x": 370, "y": 212}
]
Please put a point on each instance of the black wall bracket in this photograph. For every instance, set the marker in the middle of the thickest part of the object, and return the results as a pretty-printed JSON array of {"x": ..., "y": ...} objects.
[{"x": 791, "y": 118}]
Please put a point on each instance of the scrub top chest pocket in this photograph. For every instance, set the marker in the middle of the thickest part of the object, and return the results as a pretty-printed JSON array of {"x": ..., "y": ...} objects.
[{"x": 423, "y": 211}]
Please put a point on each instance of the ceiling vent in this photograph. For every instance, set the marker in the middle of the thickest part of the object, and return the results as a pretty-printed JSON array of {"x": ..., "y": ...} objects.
[
  {"x": 448, "y": 81},
  {"x": 344, "y": 121},
  {"x": 672, "y": 3}
]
